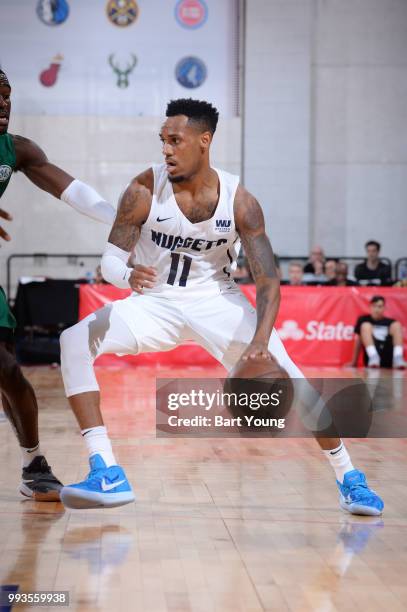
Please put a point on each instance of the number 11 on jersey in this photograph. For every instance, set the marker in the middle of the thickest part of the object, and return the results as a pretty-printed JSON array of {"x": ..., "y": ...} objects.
[{"x": 175, "y": 259}]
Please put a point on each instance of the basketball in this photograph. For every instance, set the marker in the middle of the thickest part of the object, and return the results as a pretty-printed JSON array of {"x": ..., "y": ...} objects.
[
  {"x": 261, "y": 395},
  {"x": 258, "y": 368}
]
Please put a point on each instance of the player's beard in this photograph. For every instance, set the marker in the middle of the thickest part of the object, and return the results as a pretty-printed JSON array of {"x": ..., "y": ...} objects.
[{"x": 176, "y": 179}]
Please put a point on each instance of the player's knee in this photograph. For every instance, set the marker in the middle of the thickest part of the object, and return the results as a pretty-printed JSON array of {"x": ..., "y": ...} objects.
[
  {"x": 74, "y": 345},
  {"x": 366, "y": 326},
  {"x": 395, "y": 327},
  {"x": 65, "y": 342}
]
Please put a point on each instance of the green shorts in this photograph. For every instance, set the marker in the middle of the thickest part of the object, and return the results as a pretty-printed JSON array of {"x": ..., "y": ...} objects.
[{"x": 7, "y": 320}]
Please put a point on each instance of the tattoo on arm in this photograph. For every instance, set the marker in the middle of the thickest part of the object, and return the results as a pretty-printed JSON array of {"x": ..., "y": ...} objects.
[
  {"x": 255, "y": 242},
  {"x": 130, "y": 216},
  {"x": 260, "y": 256}
]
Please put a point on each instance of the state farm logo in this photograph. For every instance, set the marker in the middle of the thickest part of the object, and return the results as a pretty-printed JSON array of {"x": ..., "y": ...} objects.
[{"x": 315, "y": 330}]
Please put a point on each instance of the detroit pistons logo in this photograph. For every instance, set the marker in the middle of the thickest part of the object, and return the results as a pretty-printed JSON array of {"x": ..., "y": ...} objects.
[
  {"x": 5, "y": 173},
  {"x": 191, "y": 14}
]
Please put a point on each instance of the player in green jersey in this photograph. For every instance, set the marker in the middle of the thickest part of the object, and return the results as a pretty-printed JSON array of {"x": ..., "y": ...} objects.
[{"x": 19, "y": 401}]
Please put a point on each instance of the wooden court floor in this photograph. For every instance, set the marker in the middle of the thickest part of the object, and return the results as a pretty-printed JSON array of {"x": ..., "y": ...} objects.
[{"x": 219, "y": 525}]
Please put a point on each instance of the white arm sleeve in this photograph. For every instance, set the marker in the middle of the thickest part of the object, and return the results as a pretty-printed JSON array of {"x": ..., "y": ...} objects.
[
  {"x": 114, "y": 266},
  {"x": 87, "y": 201}
]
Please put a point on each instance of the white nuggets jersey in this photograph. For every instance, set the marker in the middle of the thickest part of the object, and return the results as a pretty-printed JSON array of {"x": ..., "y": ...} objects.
[{"x": 188, "y": 256}]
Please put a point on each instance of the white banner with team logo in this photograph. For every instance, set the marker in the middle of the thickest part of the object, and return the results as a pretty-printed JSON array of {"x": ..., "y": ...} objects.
[{"x": 119, "y": 57}]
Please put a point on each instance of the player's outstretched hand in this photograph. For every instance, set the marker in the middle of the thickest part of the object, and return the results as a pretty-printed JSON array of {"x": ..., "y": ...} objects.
[
  {"x": 5, "y": 215},
  {"x": 141, "y": 277},
  {"x": 256, "y": 350}
]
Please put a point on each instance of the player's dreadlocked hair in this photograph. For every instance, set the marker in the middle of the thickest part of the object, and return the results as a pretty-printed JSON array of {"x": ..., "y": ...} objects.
[{"x": 198, "y": 111}]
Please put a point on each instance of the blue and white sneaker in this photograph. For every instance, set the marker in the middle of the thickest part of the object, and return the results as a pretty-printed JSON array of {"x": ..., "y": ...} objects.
[
  {"x": 356, "y": 497},
  {"x": 105, "y": 487}
]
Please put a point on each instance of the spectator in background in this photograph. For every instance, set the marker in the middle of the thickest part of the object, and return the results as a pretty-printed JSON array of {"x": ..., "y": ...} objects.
[
  {"x": 380, "y": 337},
  {"x": 341, "y": 277},
  {"x": 315, "y": 263},
  {"x": 330, "y": 270},
  {"x": 295, "y": 273},
  {"x": 327, "y": 272},
  {"x": 373, "y": 271}
]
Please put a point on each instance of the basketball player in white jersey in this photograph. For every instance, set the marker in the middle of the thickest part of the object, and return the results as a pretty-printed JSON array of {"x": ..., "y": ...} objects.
[{"x": 186, "y": 219}]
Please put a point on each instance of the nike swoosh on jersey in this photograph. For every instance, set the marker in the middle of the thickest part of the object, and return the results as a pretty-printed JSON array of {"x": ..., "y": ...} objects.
[
  {"x": 109, "y": 487},
  {"x": 165, "y": 219}
]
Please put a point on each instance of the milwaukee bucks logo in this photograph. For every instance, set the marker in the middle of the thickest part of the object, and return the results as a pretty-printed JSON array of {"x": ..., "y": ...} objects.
[{"x": 122, "y": 73}]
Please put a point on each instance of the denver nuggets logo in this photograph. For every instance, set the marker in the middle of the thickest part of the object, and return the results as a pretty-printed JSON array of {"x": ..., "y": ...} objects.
[
  {"x": 53, "y": 12},
  {"x": 122, "y": 12},
  {"x": 5, "y": 173}
]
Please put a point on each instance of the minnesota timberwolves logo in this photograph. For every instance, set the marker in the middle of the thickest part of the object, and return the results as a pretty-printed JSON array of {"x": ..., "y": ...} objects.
[
  {"x": 5, "y": 173},
  {"x": 53, "y": 12},
  {"x": 190, "y": 72},
  {"x": 122, "y": 13}
]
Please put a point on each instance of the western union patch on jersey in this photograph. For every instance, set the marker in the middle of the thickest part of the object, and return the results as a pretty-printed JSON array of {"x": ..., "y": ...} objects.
[
  {"x": 223, "y": 225},
  {"x": 5, "y": 172}
]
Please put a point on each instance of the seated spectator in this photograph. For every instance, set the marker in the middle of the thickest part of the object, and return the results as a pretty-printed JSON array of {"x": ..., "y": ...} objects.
[
  {"x": 324, "y": 272},
  {"x": 315, "y": 263},
  {"x": 380, "y": 337},
  {"x": 330, "y": 270},
  {"x": 373, "y": 271},
  {"x": 295, "y": 273},
  {"x": 402, "y": 271},
  {"x": 341, "y": 277}
]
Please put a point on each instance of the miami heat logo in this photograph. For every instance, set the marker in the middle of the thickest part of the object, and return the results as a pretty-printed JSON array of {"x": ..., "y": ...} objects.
[
  {"x": 48, "y": 77},
  {"x": 122, "y": 13},
  {"x": 53, "y": 12}
]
